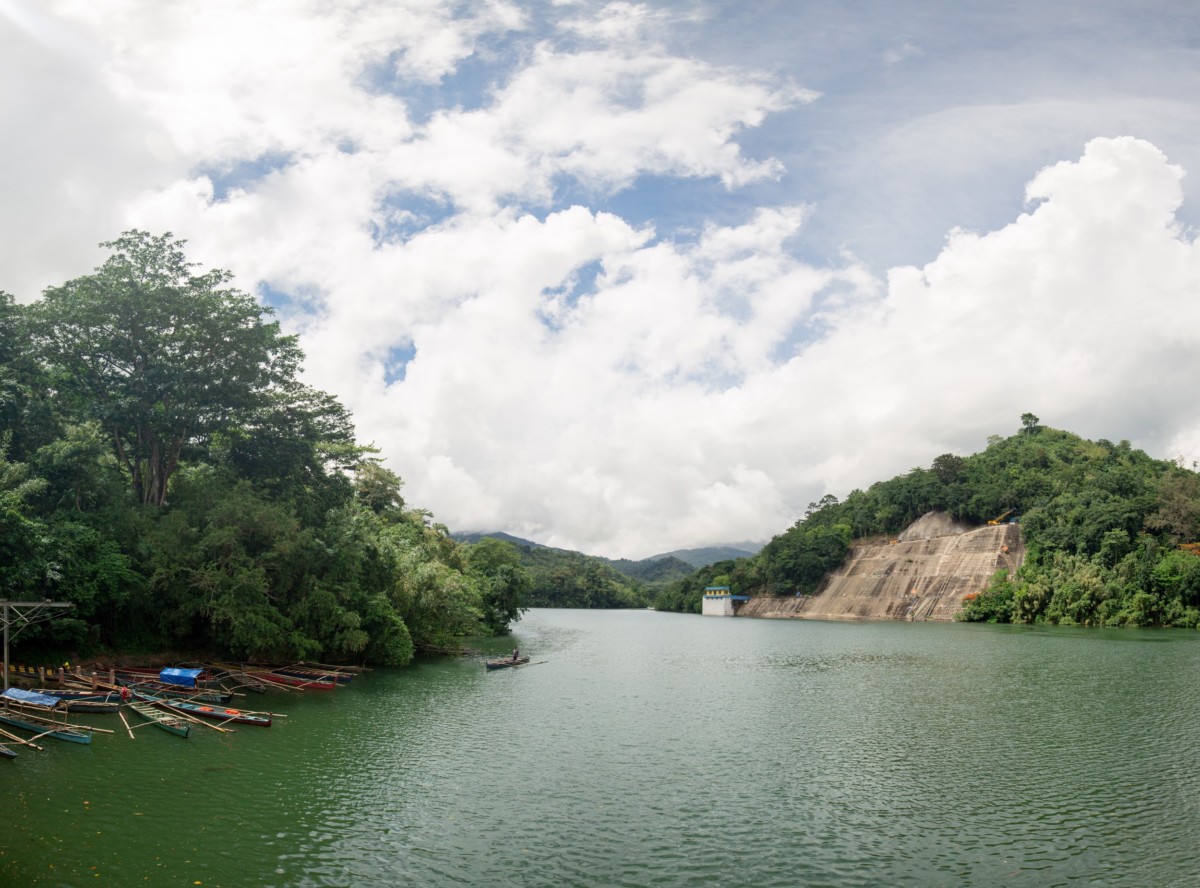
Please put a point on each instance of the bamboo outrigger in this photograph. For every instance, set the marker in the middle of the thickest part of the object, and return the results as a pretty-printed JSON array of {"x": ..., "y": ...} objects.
[{"x": 167, "y": 721}]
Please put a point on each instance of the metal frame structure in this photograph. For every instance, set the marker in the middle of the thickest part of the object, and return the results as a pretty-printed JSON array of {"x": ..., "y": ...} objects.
[{"x": 23, "y": 614}]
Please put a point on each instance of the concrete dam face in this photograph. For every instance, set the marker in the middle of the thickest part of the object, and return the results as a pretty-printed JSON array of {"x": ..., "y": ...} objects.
[{"x": 921, "y": 575}]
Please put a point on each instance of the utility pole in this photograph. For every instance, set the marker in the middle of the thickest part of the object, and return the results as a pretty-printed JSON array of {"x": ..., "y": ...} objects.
[{"x": 23, "y": 614}]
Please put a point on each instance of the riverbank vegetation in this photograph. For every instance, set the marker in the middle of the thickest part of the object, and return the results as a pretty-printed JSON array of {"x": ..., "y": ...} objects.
[
  {"x": 1110, "y": 533},
  {"x": 164, "y": 469}
]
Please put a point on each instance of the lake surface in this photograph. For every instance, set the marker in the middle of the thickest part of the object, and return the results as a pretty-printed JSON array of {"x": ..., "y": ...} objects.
[{"x": 660, "y": 750}]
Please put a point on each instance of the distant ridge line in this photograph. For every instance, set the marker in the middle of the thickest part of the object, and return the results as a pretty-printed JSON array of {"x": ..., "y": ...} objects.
[{"x": 696, "y": 558}]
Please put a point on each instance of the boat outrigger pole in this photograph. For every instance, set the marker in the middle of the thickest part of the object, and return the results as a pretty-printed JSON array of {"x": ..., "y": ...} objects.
[{"x": 22, "y": 614}]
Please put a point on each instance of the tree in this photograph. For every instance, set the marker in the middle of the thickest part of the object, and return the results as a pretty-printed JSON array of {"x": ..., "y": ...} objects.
[
  {"x": 161, "y": 356},
  {"x": 1029, "y": 424},
  {"x": 25, "y": 415},
  {"x": 503, "y": 582}
]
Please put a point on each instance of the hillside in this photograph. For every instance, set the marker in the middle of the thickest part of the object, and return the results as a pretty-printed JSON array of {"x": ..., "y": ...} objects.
[
  {"x": 1107, "y": 536},
  {"x": 922, "y": 575}
]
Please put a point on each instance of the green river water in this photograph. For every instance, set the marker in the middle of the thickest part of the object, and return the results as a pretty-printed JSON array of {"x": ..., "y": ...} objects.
[{"x": 660, "y": 750}]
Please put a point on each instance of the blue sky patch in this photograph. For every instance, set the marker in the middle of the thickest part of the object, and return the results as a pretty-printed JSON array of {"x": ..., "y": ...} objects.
[
  {"x": 395, "y": 362},
  {"x": 400, "y": 215},
  {"x": 243, "y": 174}
]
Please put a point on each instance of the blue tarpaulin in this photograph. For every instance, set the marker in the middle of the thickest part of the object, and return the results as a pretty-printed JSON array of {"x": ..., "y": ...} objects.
[
  {"x": 183, "y": 677},
  {"x": 36, "y": 699}
]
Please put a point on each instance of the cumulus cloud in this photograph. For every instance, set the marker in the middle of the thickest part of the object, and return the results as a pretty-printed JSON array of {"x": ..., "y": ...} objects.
[
  {"x": 660, "y": 401},
  {"x": 530, "y": 360}
]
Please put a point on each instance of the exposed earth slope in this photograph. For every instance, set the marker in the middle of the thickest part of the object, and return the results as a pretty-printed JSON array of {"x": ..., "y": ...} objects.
[{"x": 921, "y": 576}]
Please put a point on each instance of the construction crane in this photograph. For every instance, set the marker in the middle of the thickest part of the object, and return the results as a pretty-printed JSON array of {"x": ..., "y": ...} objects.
[{"x": 999, "y": 519}]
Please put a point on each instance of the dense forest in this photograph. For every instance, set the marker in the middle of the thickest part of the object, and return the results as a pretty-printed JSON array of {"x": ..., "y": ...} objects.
[
  {"x": 164, "y": 470},
  {"x": 564, "y": 578},
  {"x": 1111, "y": 534}
]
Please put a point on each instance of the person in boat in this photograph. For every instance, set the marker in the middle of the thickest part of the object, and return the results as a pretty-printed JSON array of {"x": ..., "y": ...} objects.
[{"x": 516, "y": 654}]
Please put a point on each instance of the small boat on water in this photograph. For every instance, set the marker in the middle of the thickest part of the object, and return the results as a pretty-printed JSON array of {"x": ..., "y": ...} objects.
[
  {"x": 81, "y": 700},
  {"x": 80, "y": 694},
  {"x": 160, "y": 718},
  {"x": 507, "y": 662},
  {"x": 159, "y": 689},
  {"x": 295, "y": 681},
  {"x": 314, "y": 674},
  {"x": 35, "y": 713},
  {"x": 204, "y": 710}
]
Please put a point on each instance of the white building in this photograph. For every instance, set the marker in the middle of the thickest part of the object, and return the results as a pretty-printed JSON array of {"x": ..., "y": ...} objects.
[{"x": 720, "y": 602}]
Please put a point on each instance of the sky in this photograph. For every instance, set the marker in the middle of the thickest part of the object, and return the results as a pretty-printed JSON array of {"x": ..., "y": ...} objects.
[{"x": 629, "y": 277}]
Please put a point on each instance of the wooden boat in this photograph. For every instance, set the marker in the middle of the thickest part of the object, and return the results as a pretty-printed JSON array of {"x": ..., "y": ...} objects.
[
  {"x": 294, "y": 681},
  {"x": 314, "y": 674},
  {"x": 44, "y": 728},
  {"x": 94, "y": 706},
  {"x": 98, "y": 696},
  {"x": 7, "y": 753},
  {"x": 159, "y": 689},
  {"x": 160, "y": 718},
  {"x": 205, "y": 710},
  {"x": 507, "y": 662}
]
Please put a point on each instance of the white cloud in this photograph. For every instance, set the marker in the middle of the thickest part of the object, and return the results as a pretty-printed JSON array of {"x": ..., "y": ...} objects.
[{"x": 539, "y": 365}]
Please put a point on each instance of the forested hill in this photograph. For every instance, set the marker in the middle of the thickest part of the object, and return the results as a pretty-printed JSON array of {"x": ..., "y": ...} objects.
[
  {"x": 1111, "y": 534},
  {"x": 163, "y": 469},
  {"x": 565, "y": 578}
]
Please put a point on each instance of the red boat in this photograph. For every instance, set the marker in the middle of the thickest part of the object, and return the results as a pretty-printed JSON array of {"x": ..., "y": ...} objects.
[{"x": 296, "y": 681}]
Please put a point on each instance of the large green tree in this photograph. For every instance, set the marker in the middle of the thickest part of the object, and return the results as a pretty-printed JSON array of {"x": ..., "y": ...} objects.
[{"x": 162, "y": 355}]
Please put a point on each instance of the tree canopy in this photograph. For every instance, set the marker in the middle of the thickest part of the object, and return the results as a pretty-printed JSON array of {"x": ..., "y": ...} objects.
[
  {"x": 186, "y": 491},
  {"x": 161, "y": 356}
]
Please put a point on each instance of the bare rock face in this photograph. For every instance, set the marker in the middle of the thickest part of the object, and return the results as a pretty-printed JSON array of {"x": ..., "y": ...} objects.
[{"x": 921, "y": 575}]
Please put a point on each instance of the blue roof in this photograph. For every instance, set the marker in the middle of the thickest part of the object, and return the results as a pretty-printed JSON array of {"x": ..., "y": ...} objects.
[
  {"x": 33, "y": 697},
  {"x": 185, "y": 677}
]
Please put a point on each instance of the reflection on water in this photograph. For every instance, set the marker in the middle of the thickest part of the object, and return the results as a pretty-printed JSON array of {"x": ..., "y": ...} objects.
[{"x": 666, "y": 750}]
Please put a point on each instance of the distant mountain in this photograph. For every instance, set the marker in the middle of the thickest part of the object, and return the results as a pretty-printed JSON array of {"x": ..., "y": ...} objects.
[
  {"x": 698, "y": 558},
  {"x": 497, "y": 535},
  {"x": 653, "y": 572}
]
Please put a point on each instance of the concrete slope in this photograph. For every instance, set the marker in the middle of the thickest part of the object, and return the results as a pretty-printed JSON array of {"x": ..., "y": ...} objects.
[{"x": 922, "y": 576}]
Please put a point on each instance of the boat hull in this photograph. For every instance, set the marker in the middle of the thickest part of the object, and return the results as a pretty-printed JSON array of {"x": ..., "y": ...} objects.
[
  {"x": 45, "y": 730},
  {"x": 213, "y": 713},
  {"x": 160, "y": 719}
]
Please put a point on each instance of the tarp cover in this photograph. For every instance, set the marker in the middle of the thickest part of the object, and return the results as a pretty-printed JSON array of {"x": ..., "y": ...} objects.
[
  {"x": 31, "y": 697},
  {"x": 185, "y": 677}
]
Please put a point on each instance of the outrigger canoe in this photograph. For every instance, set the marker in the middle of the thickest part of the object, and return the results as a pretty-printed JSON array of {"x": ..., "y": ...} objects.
[
  {"x": 295, "y": 681},
  {"x": 160, "y": 718},
  {"x": 205, "y": 710},
  {"x": 506, "y": 662},
  {"x": 44, "y": 728},
  {"x": 35, "y": 712}
]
